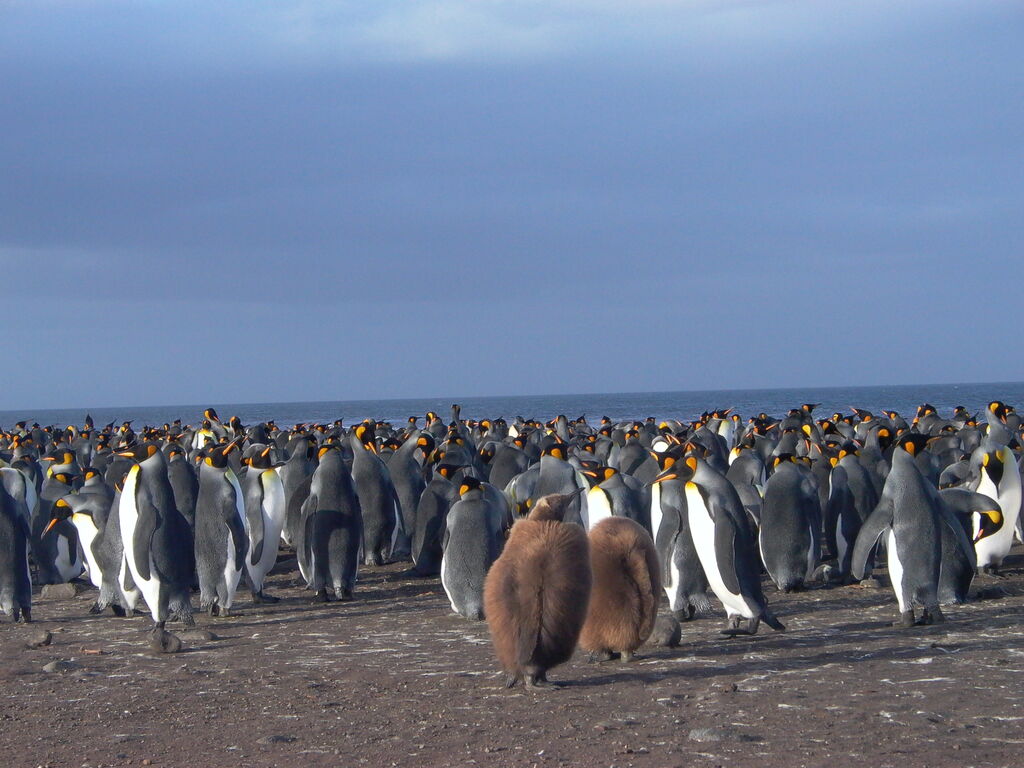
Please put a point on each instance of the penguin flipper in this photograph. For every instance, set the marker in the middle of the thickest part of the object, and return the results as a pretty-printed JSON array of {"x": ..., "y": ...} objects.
[
  {"x": 877, "y": 523},
  {"x": 728, "y": 550},
  {"x": 237, "y": 532},
  {"x": 254, "y": 517},
  {"x": 142, "y": 538}
]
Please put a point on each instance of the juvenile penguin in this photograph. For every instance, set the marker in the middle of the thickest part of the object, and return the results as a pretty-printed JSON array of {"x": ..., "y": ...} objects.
[
  {"x": 264, "y": 520},
  {"x": 625, "y": 589},
  {"x": 472, "y": 542},
  {"x": 537, "y": 593},
  {"x": 158, "y": 548}
]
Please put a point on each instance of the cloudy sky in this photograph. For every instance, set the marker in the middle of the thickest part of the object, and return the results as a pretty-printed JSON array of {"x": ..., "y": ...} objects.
[{"x": 256, "y": 201}]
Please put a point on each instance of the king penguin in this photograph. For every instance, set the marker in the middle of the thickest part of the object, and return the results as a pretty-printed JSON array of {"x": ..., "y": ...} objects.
[
  {"x": 264, "y": 520},
  {"x": 1000, "y": 480},
  {"x": 331, "y": 528},
  {"x": 157, "y": 539},
  {"x": 472, "y": 542},
  {"x": 15, "y": 579},
  {"x": 908, "y": 515},
  {"x": 727, "y": 548},
  {"x": 220, "y": 540}
]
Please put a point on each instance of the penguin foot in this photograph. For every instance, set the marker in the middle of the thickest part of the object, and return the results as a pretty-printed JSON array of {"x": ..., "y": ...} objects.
[
  {"x": 511, "y": 680},
  {"x": 117, "y": 610},
  {"x": 932, "y": 616},
  {"x": 321, "y": 596},
  {"x": 263, "y": 597},
  {"x": 906, "y": 620},
  {"x": 685, "y": 614},
  {"x": 627, "y": 656},
  {"x": 535, "y": 681},
  {"x": 601, "y": 656},
  {"x": 95, "y": 609},
  {"x": 344, "y": 596}
]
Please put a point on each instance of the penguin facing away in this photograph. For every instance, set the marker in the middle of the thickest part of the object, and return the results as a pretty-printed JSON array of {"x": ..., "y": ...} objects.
[
  {"x": 472, "y": 542},
  {"x": 220, "y": 540},
  {"x": 15, "y": 579},
  {"x": 157, "y": 540},
  {"x": 908, "y": 515},
  {"x": 537, "y": 592}
]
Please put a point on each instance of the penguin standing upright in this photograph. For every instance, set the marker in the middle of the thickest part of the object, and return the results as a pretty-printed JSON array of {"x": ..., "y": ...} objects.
[
  {"x": 789, "y": 536},
  {"x": 727, "y": 548},
  {"x": 15, "y": 579},
  {"x": 158, "y": 548},
  {"x": 220, "y": 540},
  {"x": 908, "y": 515},
  {"x": 969, "y": 518},
  {"x": 55, "y": 548},
  {"x": 382, "y": 519},
  {"x": 184, "y": 483},
  {"x": 682, "y": 574},
  {"x": 331, "y": 529},
  {"x": 472, "y": 542},
  {"x": 537, "y": 593},
  {"x": 407, "y": 477},
  {"x": 429, "y": 525},
  {"x": 264, "y": 520},
  {"x": 624, "y": 591}
]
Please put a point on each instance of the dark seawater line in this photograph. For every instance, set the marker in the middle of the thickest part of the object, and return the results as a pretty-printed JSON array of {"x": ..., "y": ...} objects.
[{"x": 618, "y": 406}]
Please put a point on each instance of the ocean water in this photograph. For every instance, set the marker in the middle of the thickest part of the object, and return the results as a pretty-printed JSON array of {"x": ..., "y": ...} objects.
[{"x": 620, "y": 406}]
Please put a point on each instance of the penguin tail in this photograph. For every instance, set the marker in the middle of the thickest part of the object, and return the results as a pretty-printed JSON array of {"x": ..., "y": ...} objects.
[{"x": 771, "y": 621}]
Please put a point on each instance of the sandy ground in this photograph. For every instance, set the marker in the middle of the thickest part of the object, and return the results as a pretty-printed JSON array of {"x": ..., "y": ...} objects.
[{"x": 395, "y": 679}]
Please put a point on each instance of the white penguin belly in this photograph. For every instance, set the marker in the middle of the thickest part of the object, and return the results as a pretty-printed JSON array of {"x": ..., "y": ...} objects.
[
  {"x": 670, "y": 588},
  {"x": 598, "y": 507},
  {"x": 86, "y": 534},
  {"x": 895, "y": 570},
  {"x": 444, "y": 583},
  {"x": 992, "y": 549},
  {"x": 702, "y": 528},
  {"x": 68, "y": 564},
  {"x": 656, "y": 515},
  {"x": 841, "y": 543},
  {"x": 128, "y": 517}
]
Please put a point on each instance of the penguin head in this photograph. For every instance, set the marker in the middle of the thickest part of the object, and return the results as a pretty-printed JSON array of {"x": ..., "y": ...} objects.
[
  {"x": 913, "y": 443},
  {"x": 211, "y": 415},
  {"x": 556, "y": 450},
  {"x": 261, "y": 458},
  {"x": 217, "y": 456},
  {"x": 469, "y": 485},
  {"x": 426, "y": 443},
  {"x": 486, "y": 454},
  {"x": 999, "y": 409},
  {"x": 329, "y": 446},
  {"x": 986, "y": 522},
  {"x": 597, "y": 475},
  {"x": 553, "y": 506},
  {"x": 993, "y": 464},
  {"x": 140, "y": 451},
  {"x": 61, "y": 511},
  {"x": 366, "y": 435},
  {"x": 447, "y": 471}
]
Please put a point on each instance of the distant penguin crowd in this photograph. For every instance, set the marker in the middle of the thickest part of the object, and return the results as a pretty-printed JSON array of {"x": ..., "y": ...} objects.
[{"x": 560, "y": 534}]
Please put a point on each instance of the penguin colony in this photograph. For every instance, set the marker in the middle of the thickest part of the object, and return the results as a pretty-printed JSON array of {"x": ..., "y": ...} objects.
[{"x": 557, "y": 533}]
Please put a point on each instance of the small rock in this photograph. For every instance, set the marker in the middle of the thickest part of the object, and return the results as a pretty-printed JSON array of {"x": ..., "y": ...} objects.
[
  {"x": 198, "y": 636},
  {"x": 708, "y": 734},
  {"x": 276, "y": 739},
  {"x": 39, "y": 639},
  {"x": 162, "y": 641},
  {"x": 871, "y": 582},
  {"x": 59, "y": 591},
  {"x": 667, "y": 632},
  {"x": 60, "y": 666},
  {"x": 147, "y": 761}
]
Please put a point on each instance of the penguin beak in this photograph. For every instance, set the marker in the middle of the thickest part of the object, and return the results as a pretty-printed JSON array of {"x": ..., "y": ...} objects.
[
  {"x": 49, "y": 527},
  {"x": 664, "y": 477}
]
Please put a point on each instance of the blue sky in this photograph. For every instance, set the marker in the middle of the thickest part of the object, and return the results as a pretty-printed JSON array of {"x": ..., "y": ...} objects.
[{"x": 242, "y": 201}]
